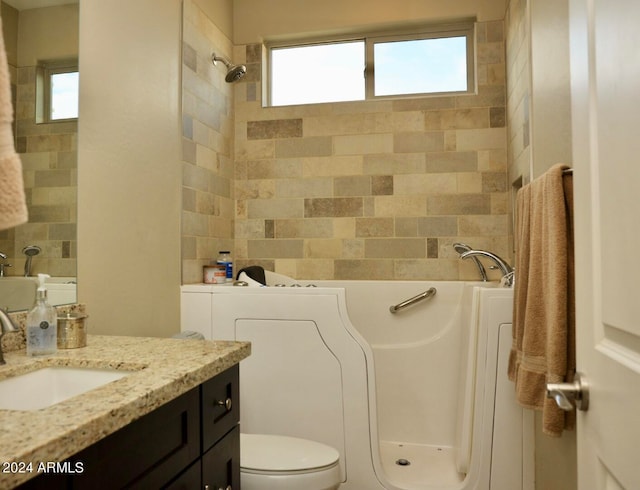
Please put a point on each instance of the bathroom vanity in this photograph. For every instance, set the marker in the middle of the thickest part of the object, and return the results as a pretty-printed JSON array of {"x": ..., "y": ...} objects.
[{"x": 170, "y": 422}]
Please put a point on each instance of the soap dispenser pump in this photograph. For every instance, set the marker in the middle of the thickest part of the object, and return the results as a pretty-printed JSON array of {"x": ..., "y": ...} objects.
[{"x": 42, "y": 323}]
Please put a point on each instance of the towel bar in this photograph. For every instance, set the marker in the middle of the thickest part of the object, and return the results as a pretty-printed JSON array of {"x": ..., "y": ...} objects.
[{"x": 429, "y": 293}]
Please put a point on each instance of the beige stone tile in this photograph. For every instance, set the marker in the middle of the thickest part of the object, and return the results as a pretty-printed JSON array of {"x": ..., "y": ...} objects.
[
  {"x": 332, "y": 166},
  {"x": 311, "y": 187},
  {"x": 374, "y": 227},
  {"x": 406, "y": 227},
  {"x": 459, "y": 204},
  {"x": 382, "y": 185},
  {"x": 364, "y": 269},
  {"x": 250, "y": 229},
  {"x": 255, "y": 189},
  {"x": 469, "y": 183},
  {"x": 275, "y": 208},
  {"x": 418, "y": 142},
  {"x": 405, "y": 206},
  {"x": 437, "y": 226},
  {"x": 483, "y": 225},
  {"x": 426, "y": 269},
  {"x": 439, "y": 183},
  {"x": 423, "y": 103},
  {"x": 392, "y": 164},
  {"x": 288, "y": 267},
  {"x": 314, "y": 269},
  {"x": 318, "y": 248},
  {"x": 303, "y": 147},
  {"x": 481, "y": 139},
  {"x": 487, "y": 96},
  {"x": 470, "y": 118},
  {"x": 347, "y": 124},
  {"x": 494, "y": 182},
  {"x": 452, "y": 161},
  {"x": 288, "y": 168},
  {"x": 276, "y": 249},
  {"x": 394, "y": 248},
  {"x": 304, "y": 228},
  {"x": 495, "y": 31},
  {"x": 355, "y": 185},
  {"x": 363, "y": 144},
  {"x": 279, "y": 128},
  {"x": 353, "y": 248},
  {"x": 333, "y": 207},
  {"x": 344, "y": 227},
  {"x": 255, "y": 149}
]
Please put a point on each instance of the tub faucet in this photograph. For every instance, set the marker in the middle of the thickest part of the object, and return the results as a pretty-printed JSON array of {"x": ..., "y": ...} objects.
[
  {"x": 462, "y": 248},
  {"x": 505, "y": 268},
  {"x": 6, "y": 326},
  {"x": 3, "y": 264}
]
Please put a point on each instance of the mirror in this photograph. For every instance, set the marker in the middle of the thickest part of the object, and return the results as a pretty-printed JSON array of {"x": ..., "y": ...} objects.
[{"x": 41, "y": 36}]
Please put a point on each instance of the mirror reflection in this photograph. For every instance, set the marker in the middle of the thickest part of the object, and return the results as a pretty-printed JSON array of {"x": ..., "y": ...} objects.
[{"x": 41, "y": 40}]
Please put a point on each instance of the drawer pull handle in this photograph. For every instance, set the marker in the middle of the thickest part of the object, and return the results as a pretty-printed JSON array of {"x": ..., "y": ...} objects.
[{"x": 227, "y": 405}]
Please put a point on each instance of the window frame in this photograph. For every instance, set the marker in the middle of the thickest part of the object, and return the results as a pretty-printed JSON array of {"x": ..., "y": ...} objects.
[
  {"x": 464, "y": 29},
  {"x": 44, "y": 74}
]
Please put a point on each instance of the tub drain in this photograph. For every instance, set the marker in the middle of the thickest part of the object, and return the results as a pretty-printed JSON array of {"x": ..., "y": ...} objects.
[{"x": 403, "y": 462}]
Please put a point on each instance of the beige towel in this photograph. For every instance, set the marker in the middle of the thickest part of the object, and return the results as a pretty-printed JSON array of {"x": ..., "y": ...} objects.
[
  {"x": 543, "y": 348},
  {"x": 13, "y": 207}
]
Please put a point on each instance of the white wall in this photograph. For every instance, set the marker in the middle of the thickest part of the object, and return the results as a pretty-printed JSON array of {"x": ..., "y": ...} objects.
[{"x": 129, "y": 166}]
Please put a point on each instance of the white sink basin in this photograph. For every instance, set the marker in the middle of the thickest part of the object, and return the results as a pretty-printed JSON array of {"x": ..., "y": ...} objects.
[{"x": 51, "y": 385}]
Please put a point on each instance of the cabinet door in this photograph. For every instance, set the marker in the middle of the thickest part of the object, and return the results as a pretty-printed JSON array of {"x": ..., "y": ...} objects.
[
  {"x": 147, "y": 453},
  {"x": 220, "y": 406},
  {"x": 221, "y": 463}
]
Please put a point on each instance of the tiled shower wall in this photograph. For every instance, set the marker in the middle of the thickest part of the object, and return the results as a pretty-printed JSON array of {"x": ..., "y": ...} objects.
[
  {"x": 50, "y": 167},
  {"x": 372, "y": 189},
  {"x": 207, "y": 145}
]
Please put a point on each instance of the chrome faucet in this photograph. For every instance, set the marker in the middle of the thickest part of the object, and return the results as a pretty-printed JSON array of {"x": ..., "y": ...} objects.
[
  {"x": 6, "y": 326},
  {"x": 3, "y": 265},
  {"x": 462, "y": 248},
  {"x": 503, "y": 265}
]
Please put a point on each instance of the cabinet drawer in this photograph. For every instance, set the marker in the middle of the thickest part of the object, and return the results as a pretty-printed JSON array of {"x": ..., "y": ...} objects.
[
  {"x": 221, "y": 463},
  {"x": 220, "y": 406}
]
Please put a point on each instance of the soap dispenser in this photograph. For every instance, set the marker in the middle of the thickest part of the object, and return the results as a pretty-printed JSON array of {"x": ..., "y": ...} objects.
[{"x": 42, "y": 323}]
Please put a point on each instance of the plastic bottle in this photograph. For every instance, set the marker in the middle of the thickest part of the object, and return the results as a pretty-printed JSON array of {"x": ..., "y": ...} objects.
[
  {"x": 224, "y": 258},
  {"x": 42, "y": 323}
]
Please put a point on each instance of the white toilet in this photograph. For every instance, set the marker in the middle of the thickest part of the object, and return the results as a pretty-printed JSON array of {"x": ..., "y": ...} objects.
[{"x": 275, "y": 462}]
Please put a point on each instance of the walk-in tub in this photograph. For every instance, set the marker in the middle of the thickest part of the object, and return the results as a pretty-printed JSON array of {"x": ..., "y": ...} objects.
[{"x": 413, "y": 400}]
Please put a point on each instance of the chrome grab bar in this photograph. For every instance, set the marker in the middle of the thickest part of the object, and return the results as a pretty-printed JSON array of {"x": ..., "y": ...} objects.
[{"x": 429, "y": 293}]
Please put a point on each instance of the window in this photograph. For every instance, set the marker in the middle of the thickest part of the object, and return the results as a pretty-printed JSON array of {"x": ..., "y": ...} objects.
[
  {"x": 57, "y": 88},
  {"x": 438, "y": 61}
]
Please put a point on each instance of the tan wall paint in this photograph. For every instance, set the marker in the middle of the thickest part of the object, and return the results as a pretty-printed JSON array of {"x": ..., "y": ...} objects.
[
  {"x": 47, "y": 34},
  {"x": 129, "y": 171},
  {"x": 257, "y": 20}
]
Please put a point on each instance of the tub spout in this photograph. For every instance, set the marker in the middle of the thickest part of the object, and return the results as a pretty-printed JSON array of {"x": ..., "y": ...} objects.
[{"x": 503, "y": 265}]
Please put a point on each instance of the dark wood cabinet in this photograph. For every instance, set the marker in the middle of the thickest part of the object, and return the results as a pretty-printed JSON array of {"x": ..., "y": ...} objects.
[{"x": 190, "y": 442}]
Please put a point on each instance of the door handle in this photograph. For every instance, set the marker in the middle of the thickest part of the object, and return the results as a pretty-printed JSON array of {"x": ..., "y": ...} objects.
[{"x": 570, "y": 395}]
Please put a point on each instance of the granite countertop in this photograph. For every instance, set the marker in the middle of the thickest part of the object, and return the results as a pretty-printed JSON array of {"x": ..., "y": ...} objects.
[{"x": 163, "y": 370}]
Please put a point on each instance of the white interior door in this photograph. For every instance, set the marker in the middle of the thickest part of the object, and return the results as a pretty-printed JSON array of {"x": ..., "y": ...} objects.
[{"x": 605, "y": 72}]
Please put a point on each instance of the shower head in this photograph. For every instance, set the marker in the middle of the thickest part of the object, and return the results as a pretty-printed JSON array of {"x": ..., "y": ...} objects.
[
  {"x": 234, "y": 72},
  {"x": 31, "y": 250}
]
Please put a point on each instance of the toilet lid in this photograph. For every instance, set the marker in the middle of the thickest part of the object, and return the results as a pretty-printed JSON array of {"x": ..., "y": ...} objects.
[{"x": 263, "y": 452}]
